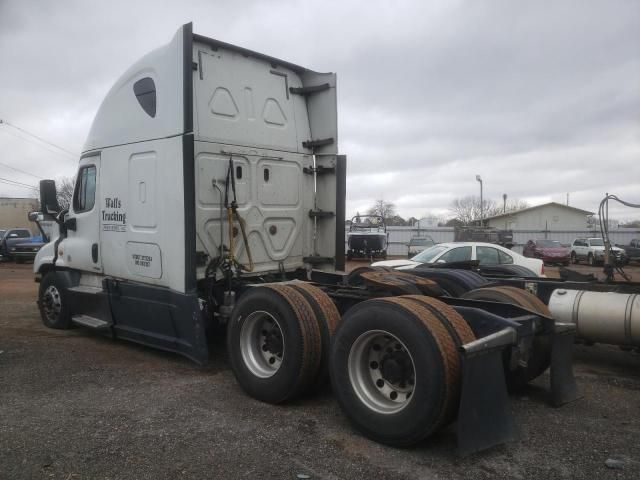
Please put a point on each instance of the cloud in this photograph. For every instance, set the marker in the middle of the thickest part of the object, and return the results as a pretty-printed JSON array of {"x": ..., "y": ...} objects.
[{"x": 540, "y": 98}]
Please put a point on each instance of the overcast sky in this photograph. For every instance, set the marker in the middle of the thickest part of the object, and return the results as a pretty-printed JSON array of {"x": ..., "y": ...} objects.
[{"x": 539, "y": 98}]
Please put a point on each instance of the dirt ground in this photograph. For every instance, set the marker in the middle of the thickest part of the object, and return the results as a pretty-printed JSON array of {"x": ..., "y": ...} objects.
[{"x": 77, "y": 405}]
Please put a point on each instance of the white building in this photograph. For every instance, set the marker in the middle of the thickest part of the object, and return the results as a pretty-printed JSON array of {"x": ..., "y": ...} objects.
[
  {"x": 14, "y": 211},
  {"x": 549, "y": 216}
]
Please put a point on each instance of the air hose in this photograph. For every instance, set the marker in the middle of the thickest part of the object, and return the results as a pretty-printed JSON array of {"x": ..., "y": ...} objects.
[{"x": 232, "y": 216}]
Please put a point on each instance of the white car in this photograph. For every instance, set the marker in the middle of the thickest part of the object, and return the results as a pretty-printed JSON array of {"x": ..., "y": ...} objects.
[{"x": 486, "y": 253}]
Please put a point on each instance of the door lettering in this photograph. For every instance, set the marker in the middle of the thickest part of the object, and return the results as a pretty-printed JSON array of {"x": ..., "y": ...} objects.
[{"x": 114, "y": 220}]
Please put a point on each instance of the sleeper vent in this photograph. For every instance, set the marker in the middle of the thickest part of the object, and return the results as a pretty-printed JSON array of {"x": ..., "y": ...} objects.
[{"x": 145, "y": 91}]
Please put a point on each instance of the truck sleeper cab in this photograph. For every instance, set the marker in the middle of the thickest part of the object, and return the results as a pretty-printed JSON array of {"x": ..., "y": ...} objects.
[
  {"x": 149, "y": 220},
  {"x": 209, "y": 186}
]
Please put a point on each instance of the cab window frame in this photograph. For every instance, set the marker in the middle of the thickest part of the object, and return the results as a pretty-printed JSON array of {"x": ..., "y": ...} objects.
[{"x": 80, "y": 189}]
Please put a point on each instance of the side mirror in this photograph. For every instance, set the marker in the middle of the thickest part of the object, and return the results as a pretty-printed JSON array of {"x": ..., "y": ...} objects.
[
  {"x": 440, "y": 261},
  {"x": 33, "y": 216},
  {"x": 49, "y": 197}
]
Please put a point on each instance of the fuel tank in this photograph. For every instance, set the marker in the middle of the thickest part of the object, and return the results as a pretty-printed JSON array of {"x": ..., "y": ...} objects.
[{"x": 602, "y": 317}]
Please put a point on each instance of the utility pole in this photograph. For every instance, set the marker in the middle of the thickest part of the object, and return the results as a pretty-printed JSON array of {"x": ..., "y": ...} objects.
[
  {"x": 479, "y": 179},
  {"x": 504, "y": 208}
]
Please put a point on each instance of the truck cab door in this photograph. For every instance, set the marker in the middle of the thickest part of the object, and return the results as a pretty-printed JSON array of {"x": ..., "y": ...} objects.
[{"x": 81, "y": 248}]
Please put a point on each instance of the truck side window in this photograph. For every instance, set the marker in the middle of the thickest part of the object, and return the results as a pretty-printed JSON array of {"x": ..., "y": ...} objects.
[
  {"x": 84, "y": 196},
  {"x": 145, "y": 91}
]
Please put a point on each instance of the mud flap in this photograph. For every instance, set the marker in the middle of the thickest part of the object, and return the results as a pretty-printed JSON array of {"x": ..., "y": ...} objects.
[
  {"x": 485, "y": 418},
  {"x": 563, "y": 382}
]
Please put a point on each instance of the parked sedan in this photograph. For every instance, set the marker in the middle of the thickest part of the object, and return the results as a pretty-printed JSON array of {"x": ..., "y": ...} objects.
[
  {"x": 485, "y": 253},
  {"x": 549, "y": 251}
]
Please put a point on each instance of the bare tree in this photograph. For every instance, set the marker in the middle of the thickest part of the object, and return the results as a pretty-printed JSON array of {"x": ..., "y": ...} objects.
[
  {"x": 467, "y": 209},
  {"x": 382, "y": 208},
  {"x": 65, "y": 191},
  {"x": 395, "y": 221},
  {"x": 515, "y": 205}
]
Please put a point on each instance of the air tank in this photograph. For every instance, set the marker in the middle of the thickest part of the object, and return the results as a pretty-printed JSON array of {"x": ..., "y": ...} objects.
[{"x": 602, "y": 317}]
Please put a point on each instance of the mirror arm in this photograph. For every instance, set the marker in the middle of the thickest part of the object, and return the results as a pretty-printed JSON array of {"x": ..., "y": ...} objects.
[{"x": 45, "y": 237}]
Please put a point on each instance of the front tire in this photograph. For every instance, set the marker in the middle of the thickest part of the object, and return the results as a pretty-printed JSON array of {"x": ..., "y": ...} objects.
[{"x": 53, "y": 303}]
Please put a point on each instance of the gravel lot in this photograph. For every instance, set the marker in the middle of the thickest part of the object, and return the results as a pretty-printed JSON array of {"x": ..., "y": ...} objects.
[{"x": 77, "y": 405}]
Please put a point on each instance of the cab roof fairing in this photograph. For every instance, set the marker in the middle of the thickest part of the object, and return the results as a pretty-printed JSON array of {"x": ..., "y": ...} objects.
[{"x": 120, "y": 118}]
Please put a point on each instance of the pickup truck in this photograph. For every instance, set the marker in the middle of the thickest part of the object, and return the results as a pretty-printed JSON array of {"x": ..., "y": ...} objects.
[
  {"x": 632, "y": 251},
  {"x": 11, "y": 237},
  {"x": 26, "y": 250},
  {"x": 592, "y": 250}
]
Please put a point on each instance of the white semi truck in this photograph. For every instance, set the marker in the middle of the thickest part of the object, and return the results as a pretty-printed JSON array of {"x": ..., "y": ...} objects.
[{"x": 210, "y": 193}]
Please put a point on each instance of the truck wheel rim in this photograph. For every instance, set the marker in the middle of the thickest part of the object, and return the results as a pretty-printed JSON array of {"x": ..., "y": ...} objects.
[
  {"x": 381, "y": 372},
  {"x": 51, "y": 303},
  {"x": 262, "y": 344}
]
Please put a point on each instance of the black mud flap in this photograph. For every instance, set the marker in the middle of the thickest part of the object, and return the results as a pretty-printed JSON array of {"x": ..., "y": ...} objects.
[
  {"x": 485, "y": 418},
  {"x": 563, "y": 382}
]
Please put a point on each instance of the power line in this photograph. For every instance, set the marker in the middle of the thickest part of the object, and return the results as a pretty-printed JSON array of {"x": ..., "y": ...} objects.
[
  {"x": 39, "y": 138},
  {"x": 21, "y": 171},
  {"x": 13, "y": 183},
  {"x": 13, "y": 134}
]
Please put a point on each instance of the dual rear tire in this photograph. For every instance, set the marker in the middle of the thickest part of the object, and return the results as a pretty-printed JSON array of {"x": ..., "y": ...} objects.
[
  {"x": 394, "y": 362},
  {"x": 278, "y": 340},
  {"x": 395, "y": 367}
]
